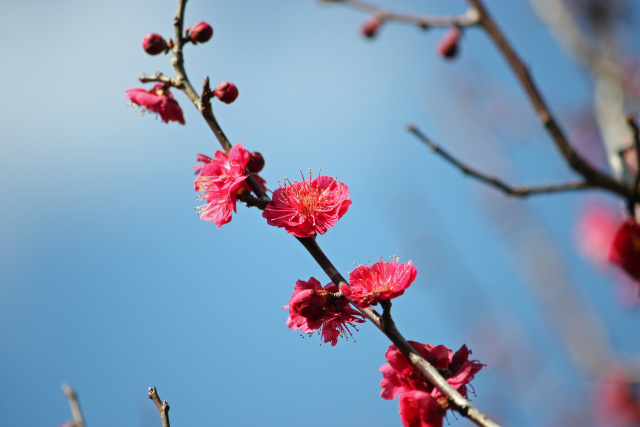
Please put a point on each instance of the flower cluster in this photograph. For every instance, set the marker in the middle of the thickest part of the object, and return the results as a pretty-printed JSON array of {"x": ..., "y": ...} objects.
[
  {"x": 309, "y": 207},
  {"x": 158, "y": 100},
  {"x": 420, "y": 402},
  {"x": 381, "y": 281},
  {"x": 312, "y": 307},
  {"x": 218, "y": 183}
]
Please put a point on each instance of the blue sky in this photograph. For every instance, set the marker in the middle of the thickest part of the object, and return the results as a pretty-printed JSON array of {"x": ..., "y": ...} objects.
[{"x": 109, "y": 281}]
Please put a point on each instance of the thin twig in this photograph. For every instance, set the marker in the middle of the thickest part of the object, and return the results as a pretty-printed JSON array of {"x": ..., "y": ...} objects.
[
  {"x": 520, "y": 191},
  {"x": 425, "y": 21},
  {"x": 163, "y": 406},
  {"x": 593, "y": 176},
  {"x": 159, "y": 77},
  {"x": 72, "y": 397}
]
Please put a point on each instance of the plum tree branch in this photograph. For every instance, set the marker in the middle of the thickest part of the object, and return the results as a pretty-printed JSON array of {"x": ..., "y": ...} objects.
[
  {"x": 163, "y": 406},
  {"x": 72, "y": 398},
  {"x": 520, "y": 191},
  {"x": 468, "y": 19},
  {"x": 594, "y": 177}
]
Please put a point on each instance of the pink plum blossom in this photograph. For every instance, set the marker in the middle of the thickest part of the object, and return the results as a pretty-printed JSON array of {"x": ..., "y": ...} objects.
[
  {"x": 419, "y": 409},
  {"x": 218, "y": 183},
  {"x": 369, "y": 284},
  {"x": 154, "y": 44},
  {"x": 399, "y": 376},
  {"x": 309, "y": 207},
  {"x": 312, "y": 307},
  {"x": 158, "y": 100}
]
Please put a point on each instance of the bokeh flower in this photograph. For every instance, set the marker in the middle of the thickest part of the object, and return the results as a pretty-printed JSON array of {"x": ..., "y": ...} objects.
[
  {"x": 312, "y": 307},
  {"x": 369, "y": 284},
  {"x": 158, "y": 100},
  {"x": 625, "y": 249},
  {"x": 309, "y": 207}
]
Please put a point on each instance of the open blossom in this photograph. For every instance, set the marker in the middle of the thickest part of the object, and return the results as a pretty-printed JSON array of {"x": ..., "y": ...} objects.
[
  {"x": 380, "y": 281},
  {"x": 218, "y": 183},
  {"x": 625, "y": 250},
  {"x": 399, "y": 376},
  {"x": 309, "y": 207},
  {"x": 419, "y": 409},
  {"x": 159, "y": 100},
  {"x": 312, "y": 307}
]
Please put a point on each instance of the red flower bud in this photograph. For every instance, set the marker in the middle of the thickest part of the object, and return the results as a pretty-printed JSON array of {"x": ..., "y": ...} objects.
[
  {"x": 154, "y": 44},
  {"x": 371, "y": 26},
  {"x": 201, "y": 32},
  {"x": 226, "y": 92},
  {"x": 448, "y": 44},
  {"x": 256, "y": 162}
]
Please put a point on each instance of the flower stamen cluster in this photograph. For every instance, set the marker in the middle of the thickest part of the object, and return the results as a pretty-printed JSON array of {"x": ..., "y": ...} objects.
[
  {"x": 309, "y": 207},
  {"x": 312, "y": 308},
  {"x": 369, "y": 284}
]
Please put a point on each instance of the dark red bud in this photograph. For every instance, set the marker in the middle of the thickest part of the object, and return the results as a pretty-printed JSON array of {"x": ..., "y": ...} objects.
[
  {"x": 371, "y": 26},
  {"x": 256, "y": 162},
  {"x": 448, "y": 44},
  {"x": 226, "y": 92},
  {"x": 201, "y": 32},
  {"x": 154, "y": 44}
]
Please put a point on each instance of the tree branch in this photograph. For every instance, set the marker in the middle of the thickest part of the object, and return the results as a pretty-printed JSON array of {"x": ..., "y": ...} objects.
[
  {"x": 493, "y": 181},
  {"x": 72, "y": 397},
  {"x": 468, "y": 19},
  {"x": 593, "y": 176},
  {"x": 163, "y": 406}
]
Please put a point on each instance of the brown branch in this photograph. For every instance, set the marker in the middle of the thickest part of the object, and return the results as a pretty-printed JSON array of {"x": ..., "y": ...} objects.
[
  {"x": 593, "y": 176},
  {"x": 163, "y": 406},
  {"x": 387, "y": 326},
  {"x": 425, "y": 21},
  {"x": 635, "y": 132},
  {"x": 159, "y": 77},
  {"x": 72, "y": 397},
  {"x": 520, "y": 191}
]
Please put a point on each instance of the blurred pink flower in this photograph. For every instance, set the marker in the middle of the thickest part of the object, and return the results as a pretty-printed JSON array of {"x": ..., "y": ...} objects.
[
  {"x": 158, "y": 100},
  {"x": 380, "y": 281},
  {"x": 312, "y": 307},
  {"x": 399, "y": 376},
  {"x": 617, "y": 400},
  {"x": 595, "y": 231},
  {"x": 308, "y": 207},
  {"x": 419, "y": 409},
  {"x": 218, "y": 183},
  {"x": 625, "y": 249}
]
